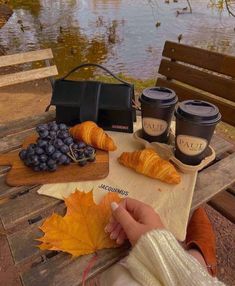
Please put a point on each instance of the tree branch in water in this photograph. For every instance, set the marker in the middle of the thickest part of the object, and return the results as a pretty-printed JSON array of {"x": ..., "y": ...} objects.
[{"x": 228, "y": 8}]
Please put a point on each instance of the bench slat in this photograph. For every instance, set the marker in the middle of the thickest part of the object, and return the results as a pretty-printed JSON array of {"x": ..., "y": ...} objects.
[
  {"x": 227, "y": 110},
  {"x": 213, "y": 61},
  {"x": 214, "y": 84},
  {"x": 29, "y": 75},
  {"x": 22, "y": 58},
  {"x": 224, "y": 203},
  {"x": 223, "y": 174}
]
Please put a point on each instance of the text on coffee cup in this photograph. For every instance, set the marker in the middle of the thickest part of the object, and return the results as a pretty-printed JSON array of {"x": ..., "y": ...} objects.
[
  {"x": 153, "y": 126},
  {"x": 191, "y": 145}
]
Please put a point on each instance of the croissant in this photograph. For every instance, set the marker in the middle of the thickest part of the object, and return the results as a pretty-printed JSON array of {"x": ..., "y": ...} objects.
[
  {"x": 149, "y": 163},
  {"x": 93, "y": 135}
]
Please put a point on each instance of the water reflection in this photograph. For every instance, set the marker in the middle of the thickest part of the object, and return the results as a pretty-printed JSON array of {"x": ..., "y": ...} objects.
[
  {"x": 32, "y": 6},
  {"x": 121, "y": 34},
  {"x": 108, "y": 4}
]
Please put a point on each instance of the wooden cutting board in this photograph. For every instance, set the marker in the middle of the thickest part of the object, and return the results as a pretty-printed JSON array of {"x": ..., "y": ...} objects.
[{"x": 20, "y": 174}]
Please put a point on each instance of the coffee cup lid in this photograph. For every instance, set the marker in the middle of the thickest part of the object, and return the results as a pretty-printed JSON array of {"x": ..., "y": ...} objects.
[
  {"x": 198, "y": 111},
  {"x": 159, "y": 95}
]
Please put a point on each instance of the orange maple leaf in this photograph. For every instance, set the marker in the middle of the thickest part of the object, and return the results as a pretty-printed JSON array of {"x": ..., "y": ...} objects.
[{"x": 81, "y": 230}]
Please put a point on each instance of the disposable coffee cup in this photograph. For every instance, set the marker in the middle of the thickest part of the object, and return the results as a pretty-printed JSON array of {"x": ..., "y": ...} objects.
[
  {"x": 195, "y": 124},
  {"x": 157, "y": 109}
]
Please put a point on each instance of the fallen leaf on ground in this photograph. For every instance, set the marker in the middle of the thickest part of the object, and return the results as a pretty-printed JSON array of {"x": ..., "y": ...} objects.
[{"x": 81, "y": 230}]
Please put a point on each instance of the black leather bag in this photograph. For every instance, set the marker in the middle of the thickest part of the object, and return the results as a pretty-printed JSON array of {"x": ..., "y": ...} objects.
[{"x": 107, "y": 104}]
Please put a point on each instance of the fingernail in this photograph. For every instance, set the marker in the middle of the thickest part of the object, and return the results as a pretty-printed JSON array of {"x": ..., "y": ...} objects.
[
  {"x": 106, "y": 229},
  {"x": 112, "y": 236},
  {"x": 119, "y": 241},
  {"x": 114, "y": 206}
]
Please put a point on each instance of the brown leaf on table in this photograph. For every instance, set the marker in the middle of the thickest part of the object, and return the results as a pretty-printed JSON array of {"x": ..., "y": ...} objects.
[{"x": 81, "y": 230}]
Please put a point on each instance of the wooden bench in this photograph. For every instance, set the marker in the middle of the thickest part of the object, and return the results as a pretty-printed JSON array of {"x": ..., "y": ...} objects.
[
  {"x": 194, "y": 73},
  {"x": 42, "y": 57}
]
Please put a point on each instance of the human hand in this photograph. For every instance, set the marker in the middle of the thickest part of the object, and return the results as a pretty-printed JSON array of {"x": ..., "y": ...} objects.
[{"x": 131, "y": 219}]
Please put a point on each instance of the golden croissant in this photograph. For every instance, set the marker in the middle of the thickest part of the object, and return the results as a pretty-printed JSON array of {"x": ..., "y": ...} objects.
[
  {"x": 149, "y": 163},
  {"x": 93, "y": 135}
]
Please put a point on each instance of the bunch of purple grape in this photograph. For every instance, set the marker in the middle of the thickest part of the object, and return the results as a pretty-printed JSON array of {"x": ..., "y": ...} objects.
[{"x": 54, "y": 147}]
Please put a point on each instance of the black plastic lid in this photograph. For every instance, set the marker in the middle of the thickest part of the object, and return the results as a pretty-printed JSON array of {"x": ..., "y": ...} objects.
[
  {"x": 159, "y": 96},
  {"x": 198, "y": 111}
]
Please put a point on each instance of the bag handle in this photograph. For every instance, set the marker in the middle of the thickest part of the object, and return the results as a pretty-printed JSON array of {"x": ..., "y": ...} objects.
[{"x": 99, "y": 66}]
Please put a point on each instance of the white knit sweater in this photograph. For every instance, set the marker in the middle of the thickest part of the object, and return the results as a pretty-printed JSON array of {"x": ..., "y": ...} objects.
[{"x": 158, "y": 259}]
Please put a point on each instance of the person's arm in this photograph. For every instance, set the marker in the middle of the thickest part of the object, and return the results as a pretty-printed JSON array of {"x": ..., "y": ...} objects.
[{"x": 156, "y": 258}]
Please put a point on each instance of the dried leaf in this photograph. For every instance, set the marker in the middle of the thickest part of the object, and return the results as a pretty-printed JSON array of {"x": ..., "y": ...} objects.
[{"x": 81, "y": 230}]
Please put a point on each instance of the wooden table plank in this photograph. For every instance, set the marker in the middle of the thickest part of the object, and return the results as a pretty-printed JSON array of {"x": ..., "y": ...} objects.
[
  {"x": 25, "y": 207},
  {"x": 8, "y": 272},
  {"x": 4, "y": 188},
  {"x": 231, "y": 189},
  {"x": 20, "y": 125},
  {"x": 213, "y": 180},
  {"x": 221, "y": 145},
  {"x": 4, "y": 169},
  {"x": 61, "y": 270},
  {"x": 14, "y": 141},
  {"x": 7, "y": 191},
  {"x": 23, "y": 243}
]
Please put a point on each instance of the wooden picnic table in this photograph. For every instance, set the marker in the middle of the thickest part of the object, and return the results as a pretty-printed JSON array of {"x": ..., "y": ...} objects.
[{"x": 22, "y": 210}]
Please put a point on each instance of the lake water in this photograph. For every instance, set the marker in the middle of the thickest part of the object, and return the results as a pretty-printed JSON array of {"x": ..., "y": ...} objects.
[{"x": 120, "y": 34}]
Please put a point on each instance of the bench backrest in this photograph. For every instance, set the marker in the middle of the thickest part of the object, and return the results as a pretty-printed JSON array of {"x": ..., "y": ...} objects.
[
  {"x": 28, "y": 75},
  {"x": 194, "y": 73}
]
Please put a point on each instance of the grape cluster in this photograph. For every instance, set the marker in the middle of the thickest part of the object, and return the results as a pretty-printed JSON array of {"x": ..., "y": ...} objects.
[{"x": 54, "y": 147}]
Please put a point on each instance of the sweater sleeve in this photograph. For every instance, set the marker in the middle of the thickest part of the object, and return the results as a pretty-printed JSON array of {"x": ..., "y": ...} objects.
[{"x": 158, "y": 259}]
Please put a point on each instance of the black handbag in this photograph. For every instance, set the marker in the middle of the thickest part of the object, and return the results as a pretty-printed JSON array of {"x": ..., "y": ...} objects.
[{"x": 107, "y": 104}]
